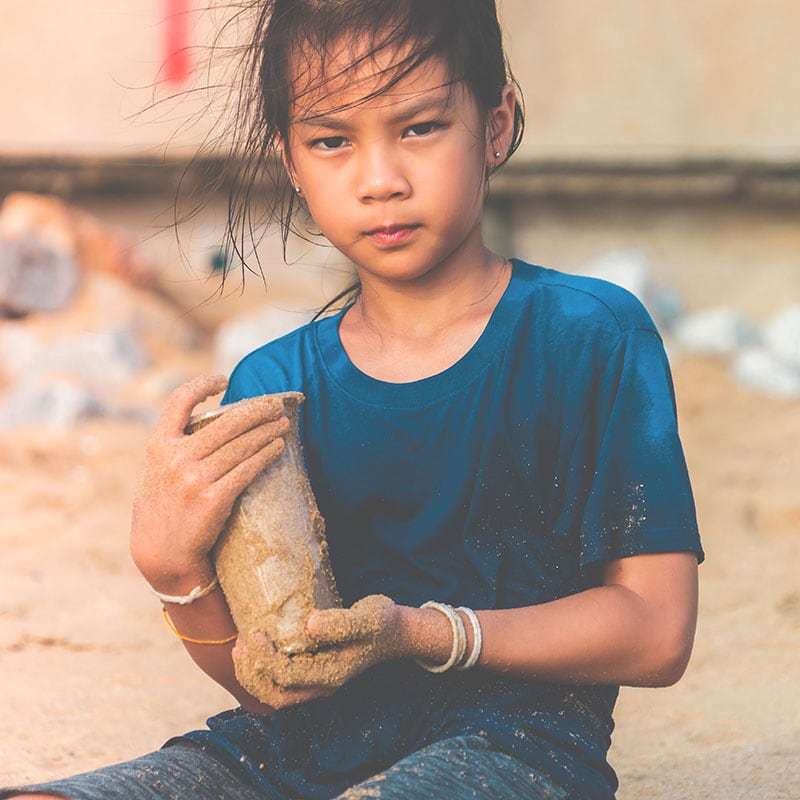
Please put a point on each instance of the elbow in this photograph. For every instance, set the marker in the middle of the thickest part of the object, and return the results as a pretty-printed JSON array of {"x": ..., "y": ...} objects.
[
  {"x": 667, "y": 660},
  {"x": 668, "y": 672}
]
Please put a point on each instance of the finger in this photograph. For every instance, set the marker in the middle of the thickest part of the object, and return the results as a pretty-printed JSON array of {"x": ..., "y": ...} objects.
[
  {"x": 182, "y": 401},
  {"x": 365, "y": 620},
  {"x": 253, "y": 442},
  {"x": 334, "y": 626},
  {"x": 233, "y": 482},
  {"x": 326, "y": 670},
  {"x": 234, "y": 420}
]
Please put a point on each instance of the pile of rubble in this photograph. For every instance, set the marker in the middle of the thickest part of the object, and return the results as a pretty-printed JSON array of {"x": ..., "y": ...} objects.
[
  {"x": 765, "y": 357},
  {"x": 86, "y": 332}
]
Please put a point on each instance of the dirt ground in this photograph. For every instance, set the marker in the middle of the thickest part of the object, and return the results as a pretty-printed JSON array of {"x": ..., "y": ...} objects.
[{"x": 89, "y": 673}]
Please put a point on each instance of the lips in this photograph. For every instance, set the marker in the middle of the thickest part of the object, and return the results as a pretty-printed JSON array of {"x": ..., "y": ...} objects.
[{"x": 391, "y": 234}]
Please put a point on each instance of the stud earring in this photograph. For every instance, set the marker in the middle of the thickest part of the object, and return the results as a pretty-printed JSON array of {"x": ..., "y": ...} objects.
[
  {"x": 497, "y": 154},
  {"x": 298, "y": 190}
]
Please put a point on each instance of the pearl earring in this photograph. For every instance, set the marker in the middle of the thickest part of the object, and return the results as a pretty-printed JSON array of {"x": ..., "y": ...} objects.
[
  {"x": 497, "y": 154},
  {"x": 298, "y": 190}
]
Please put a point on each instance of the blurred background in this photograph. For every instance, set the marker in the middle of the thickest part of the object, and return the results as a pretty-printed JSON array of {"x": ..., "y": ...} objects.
[
  {"x": 662, "y": 151},
  {"x": 668, "y": 128}
]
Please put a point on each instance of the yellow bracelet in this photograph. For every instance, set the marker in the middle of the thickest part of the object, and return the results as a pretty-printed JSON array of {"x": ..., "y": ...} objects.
[{"x": 189, "y": 638}]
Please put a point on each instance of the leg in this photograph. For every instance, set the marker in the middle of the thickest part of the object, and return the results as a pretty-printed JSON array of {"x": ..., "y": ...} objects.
[
  {"x": 180, "y": 772},
  {"x": 466, "y": 767},
  {"x": 31, "y": 796}
]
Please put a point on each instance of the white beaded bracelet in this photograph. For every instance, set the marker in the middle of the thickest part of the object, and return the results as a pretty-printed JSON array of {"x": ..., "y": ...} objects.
[
  {"x": 186, "y": 599},
  {"x": 459, "y": 639},
  {"x": 477, "y": 639}
]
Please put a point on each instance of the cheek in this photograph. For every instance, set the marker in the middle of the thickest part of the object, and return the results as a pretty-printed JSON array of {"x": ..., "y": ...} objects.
[{"x": 327, "y": 212}]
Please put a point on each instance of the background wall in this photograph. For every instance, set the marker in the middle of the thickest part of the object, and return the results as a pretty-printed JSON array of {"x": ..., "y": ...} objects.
[
  {"x": 671, "y": 128},
  {"x": 621, "y": 78},
  {"x": 662, "y": 78}
]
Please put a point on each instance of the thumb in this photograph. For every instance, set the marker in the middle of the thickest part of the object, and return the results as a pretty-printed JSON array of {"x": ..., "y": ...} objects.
[
  {"x": 333, "y": 626},
  {"x": 365, "y": 620}
]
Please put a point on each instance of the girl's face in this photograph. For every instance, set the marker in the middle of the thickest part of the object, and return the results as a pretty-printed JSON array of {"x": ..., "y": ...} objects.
[{"x": 396, "y": 182}]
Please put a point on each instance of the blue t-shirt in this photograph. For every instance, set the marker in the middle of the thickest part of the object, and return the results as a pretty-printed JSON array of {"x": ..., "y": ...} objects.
[{"x": 503, "y": 481}]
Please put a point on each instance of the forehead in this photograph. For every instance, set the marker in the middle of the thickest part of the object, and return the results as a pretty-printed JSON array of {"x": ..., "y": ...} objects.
[{"x": 349, "y": 75}]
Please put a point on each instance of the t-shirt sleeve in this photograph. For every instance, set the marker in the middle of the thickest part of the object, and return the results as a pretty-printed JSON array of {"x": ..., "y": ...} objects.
[
  {"x": 256, "y": 374},
  {"x": 639, "y": 498},
  {"x": 245, "y": 382}
]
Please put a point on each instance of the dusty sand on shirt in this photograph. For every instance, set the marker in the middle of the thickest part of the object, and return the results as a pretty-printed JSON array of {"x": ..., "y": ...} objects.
[{"x": 89, "y": 674}]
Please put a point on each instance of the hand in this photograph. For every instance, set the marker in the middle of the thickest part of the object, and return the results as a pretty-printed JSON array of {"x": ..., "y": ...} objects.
[
  {"x": 190, "y": 482},
  {"x": 349, "y": 640}
]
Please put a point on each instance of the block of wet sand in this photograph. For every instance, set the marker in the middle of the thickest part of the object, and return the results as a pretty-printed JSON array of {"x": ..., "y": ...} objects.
[{"x": 272, "y": 556}]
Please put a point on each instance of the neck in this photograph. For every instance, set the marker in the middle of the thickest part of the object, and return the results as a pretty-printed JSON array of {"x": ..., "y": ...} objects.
[{"x": 421, "y": 307}]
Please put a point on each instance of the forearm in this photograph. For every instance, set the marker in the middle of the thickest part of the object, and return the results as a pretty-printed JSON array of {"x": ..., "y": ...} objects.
[
  {"x": 606, "y": 635},
  {"x": 208, "y": 619},
  {"x": 610, "y": 634}
]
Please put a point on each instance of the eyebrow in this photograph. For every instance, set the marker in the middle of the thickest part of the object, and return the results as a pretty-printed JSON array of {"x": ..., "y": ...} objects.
[{"x": 436, "y": 104}]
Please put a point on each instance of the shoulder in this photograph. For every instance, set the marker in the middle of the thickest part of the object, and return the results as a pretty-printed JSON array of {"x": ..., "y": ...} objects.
[
  {"x": 596, "y": 306},
  {"x": 277, "y": 366}
]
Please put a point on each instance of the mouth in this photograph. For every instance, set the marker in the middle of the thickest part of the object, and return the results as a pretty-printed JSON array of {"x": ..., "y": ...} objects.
[{"x": 391, "y": 234}]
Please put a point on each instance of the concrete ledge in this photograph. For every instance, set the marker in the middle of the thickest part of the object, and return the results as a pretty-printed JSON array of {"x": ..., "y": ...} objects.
[
  {"x": 759, "y": 182},
  {"x": 668, "y": 180},
  {"x": 70, "y": 177}
]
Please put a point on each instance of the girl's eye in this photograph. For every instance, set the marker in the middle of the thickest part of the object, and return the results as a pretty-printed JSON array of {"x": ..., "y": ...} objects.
[
  {"x": 329, "y": 142},
  {"x": 423, "y": 128}
]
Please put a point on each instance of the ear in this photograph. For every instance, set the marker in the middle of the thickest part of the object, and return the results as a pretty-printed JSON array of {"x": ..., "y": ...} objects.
[
  {"x": 500, "y": 127},
  {"x": 286, "y": 160}
]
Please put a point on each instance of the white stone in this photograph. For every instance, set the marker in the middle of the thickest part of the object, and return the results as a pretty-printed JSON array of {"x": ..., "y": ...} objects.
[
  {"x": 237, "y": 338},
  {"x": 760, "y": 369},
  {"x": 627, "y": 268},
  {"x": 782, "y": 335},
  {"x": 715, "y": 331},
  {"x": 94, "y": 359},
  {"x": 56, "y": 403},
  {"x": 630, "y": 269},
  {"x": 34, "y": 276}
]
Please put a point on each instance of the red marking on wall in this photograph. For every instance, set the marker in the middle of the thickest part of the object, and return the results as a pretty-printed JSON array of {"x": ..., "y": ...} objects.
[{"x": 177, "y": 64}]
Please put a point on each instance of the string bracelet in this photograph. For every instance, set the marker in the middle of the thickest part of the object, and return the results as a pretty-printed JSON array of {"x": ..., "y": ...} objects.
[
  {"x": 187, "y": 599},
  {"x": 459, "y": 639},
  {"x": 172, "y": 627},
  {"x": 477, "y": 639}
]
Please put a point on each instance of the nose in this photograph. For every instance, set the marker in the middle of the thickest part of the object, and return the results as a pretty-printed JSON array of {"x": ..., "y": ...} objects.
[{"x": 381, "y": 176}]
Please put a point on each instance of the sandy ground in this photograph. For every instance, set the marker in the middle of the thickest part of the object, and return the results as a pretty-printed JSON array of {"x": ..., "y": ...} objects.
[{"x": 89, "y": 673}]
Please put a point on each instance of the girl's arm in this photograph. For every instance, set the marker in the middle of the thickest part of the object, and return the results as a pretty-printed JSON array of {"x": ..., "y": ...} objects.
[
  {"x": 186, "y": 493},
  {"x": 636, "y": 629}
]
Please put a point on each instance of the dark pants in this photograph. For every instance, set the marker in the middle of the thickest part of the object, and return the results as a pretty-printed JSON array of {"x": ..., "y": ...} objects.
[{"x": 461, "y": 768}]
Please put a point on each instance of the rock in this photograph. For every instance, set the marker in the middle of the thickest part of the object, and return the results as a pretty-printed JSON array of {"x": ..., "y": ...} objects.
[
  {"x": 105, "y": 302},
  {"x": 630, "y": 269},
  {"x": 715, "y": 331},
  {"x": 57, "y": 403},
  {"x": 782, "y": 336},
  {"x": 759, "y": 368},
  {"x": 35, "y": 276},
  {"x": 239, "y": 337},
  {"x": 94, "y": 359},
  {"x": 94, "y": 245}
]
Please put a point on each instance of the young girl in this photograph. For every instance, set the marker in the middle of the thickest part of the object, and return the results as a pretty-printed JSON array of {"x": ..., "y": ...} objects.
[{"x": 495, "y": 437}]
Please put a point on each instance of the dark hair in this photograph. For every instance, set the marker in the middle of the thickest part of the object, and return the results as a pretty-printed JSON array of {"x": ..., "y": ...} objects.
[{"x": 292, "y": 35}]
